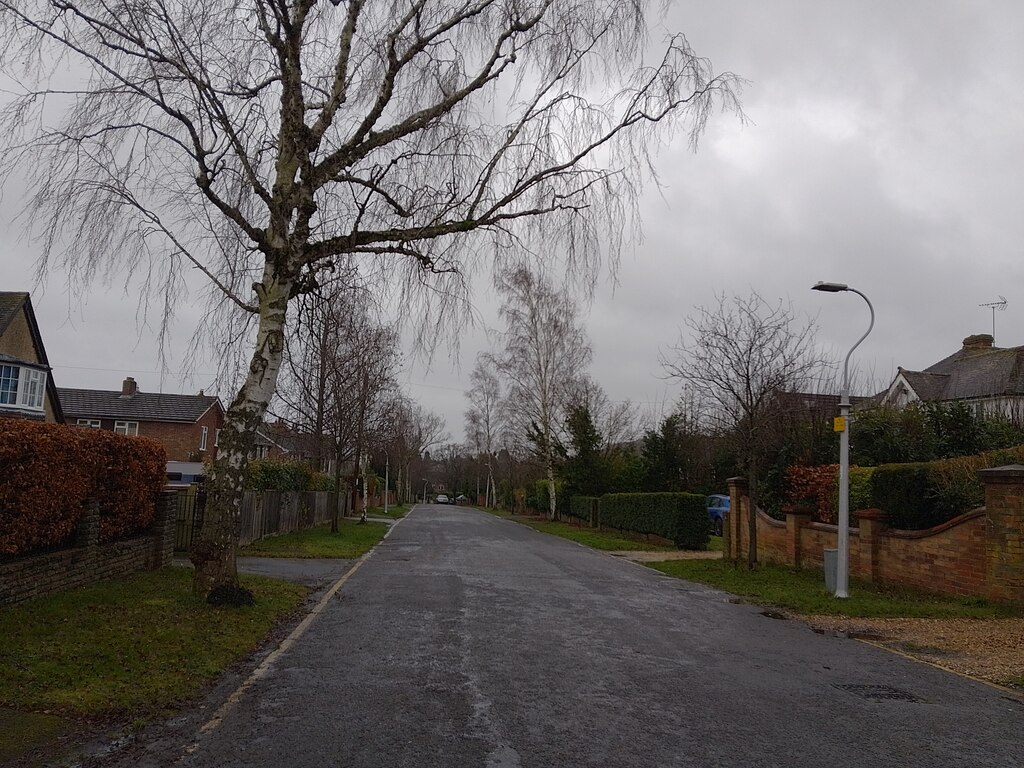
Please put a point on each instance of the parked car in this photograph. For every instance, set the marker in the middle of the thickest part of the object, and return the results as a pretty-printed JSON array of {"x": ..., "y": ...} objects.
[
  {"x": 718, "y": 505},
  {"x": 461, "y": 499},
  {"x": 441, "y": 499}
]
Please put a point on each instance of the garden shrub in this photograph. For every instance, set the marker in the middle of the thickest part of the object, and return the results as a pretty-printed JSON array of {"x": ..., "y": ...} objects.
[
  {"x": 50, "y": 470},
  {"x": 579, "y": 507},
  {"x": 680, "y": 517},
  {"x": 905, "y": 493},
  {"x": 814, "y": 487},
  {"x": 276, "y": 475},
  {"x": 860, "y": 488}
]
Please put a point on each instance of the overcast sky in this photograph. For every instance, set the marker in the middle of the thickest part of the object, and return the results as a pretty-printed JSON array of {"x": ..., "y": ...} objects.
[{"x": 883, "y": 150}]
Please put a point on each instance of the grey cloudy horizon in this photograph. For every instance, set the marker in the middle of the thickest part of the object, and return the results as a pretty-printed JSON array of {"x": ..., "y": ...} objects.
[{"x": 880, "y": 151}]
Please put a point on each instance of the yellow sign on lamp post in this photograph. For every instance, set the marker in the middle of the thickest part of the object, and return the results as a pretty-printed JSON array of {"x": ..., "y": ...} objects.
[{"x": 839, "y": 424}]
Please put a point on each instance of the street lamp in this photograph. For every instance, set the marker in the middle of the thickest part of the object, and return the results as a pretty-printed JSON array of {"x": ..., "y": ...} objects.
[
  {"x": 387, "y": 480},
  {"x": 843, "y": 564},
  {"x": 424, "y": 490}
]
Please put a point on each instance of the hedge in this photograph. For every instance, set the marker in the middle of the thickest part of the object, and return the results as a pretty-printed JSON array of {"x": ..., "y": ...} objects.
[
  {"x": 273, "y": 475},
  {"x": 680, "y": 517},
  {"x": 915, "y": 495},
  {"x": 50, "y": 470},
  {"x": 818, "y": 487},
  {"x": 579, "y": 507}
]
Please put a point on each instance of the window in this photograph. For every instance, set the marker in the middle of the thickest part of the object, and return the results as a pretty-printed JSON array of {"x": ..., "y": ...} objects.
[
  {"x": 90, "y": 423},
  {"x": 216, "y": 437},
  {"x": 262, "y": 451},
  {"x": 22, "y": 387},
  {"x": 126, "y": 428},
  {"x": 203, "y": 434}
]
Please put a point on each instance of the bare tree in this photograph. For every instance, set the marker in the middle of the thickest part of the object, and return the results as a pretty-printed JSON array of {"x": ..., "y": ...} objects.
[
  {"x": 483, "y": 420},
  {"x": 416, "y": 432},
  {"x": 544, "y": 356},
  {"x": 742, "y": 352},
  {"x": 259, "y": 141},
  {"x": 616, "y": 421}
]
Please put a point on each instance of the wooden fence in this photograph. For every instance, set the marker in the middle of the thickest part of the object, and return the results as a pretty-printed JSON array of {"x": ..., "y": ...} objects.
[{"x": 263, "y": 513}]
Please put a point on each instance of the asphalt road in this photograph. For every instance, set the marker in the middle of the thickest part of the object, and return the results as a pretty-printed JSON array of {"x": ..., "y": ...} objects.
[{"x": 466, "y": 640}]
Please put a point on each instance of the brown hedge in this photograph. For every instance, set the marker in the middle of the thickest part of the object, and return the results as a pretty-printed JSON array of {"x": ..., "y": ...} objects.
[{"x": 47, "y": 472}]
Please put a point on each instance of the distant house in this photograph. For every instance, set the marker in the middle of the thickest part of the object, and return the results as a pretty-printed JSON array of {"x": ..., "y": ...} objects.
[
  {"x": 278, "y": 441},
  {"x": 989, "y": 378},
  {"x": 26, "y": 386},
  {"x": 186, "y": 425}
]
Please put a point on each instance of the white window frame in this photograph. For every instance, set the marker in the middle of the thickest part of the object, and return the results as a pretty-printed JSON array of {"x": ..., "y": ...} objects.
[
  {"x": 90, "y": 423},
  {"x": 31, "y": 392},
  {"x": 204, "y": 434},
  {"x": 216, "y": 438},
  {"x": 127, "y": 428}
]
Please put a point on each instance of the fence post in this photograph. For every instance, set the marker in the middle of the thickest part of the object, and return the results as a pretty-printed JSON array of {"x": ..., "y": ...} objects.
[{"x": 1004, "y": 531}]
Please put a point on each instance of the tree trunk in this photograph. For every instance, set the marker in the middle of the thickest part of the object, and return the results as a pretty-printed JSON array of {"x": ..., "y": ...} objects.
[
  {"x": 340, "y": 494},
  {"x": 213, "y": 555},
  {"x": 553, "y": 511}
]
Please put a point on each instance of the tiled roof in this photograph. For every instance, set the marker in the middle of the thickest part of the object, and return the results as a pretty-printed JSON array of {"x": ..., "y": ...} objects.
[
  {"x": 928, "y": 386},
  {"x": 10, "y": 305},
  {"x": 969, "y": 374},
  {"x": 142, "y": 406}
]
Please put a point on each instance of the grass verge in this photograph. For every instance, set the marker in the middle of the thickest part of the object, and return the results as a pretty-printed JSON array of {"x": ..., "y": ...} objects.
[
  {"x": 352, "y": 540},
  {"x": 804, "y": 592},
  {"x": 604, "y": 540},
  {"x": 137, "y": 645},
  {"x": 395, "y": 511}
]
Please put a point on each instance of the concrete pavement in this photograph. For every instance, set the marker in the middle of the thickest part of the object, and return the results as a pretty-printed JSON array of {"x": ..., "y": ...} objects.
[{"x": 466, "y": 640}]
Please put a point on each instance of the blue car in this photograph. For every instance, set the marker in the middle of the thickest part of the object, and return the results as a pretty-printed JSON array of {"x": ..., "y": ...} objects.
[{"x": 718, "y": 505}]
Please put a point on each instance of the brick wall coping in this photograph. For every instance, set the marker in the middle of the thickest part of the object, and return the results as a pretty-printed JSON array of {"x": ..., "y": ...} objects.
[
  {"x": 1008, "y": 474},
  {"x": 958, "y": 520},
  {"x": 769, "y": 520},
  {"x": 870, "y": 514},
  {"x": 830, "y": 528}
]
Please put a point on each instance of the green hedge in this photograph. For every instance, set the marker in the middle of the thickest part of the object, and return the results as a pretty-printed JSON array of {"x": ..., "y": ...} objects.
[
  {"x": 680, "y": 517},
  {"x": 904, "y": 491},
  {"x": 579, "y": 507},
  {"x": 270, "y": 475},
  {"x": 925, "y": 494}
]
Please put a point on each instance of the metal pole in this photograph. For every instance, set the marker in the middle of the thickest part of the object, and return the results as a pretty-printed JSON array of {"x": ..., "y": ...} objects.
[
  {"x": 843, "y": 564},
  {"x": 387, "y": 479}
]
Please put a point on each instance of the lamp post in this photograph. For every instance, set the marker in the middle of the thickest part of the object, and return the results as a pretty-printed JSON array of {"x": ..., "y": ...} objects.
[
  {"x": 424, "y": 490},
  {"x": 843, "y": 564},
  {"x": 387, "y": 479}
]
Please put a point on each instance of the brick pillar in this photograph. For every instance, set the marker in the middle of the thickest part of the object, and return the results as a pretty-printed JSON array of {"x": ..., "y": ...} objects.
[
  {"x": 872, "y": 523},
  {"x": 1004, "y": 531},
  {"x": 796, "y": 518},
  {"x": 735, "y": 523},
  {"x": 164, "y": 525},
  {"x": 87, "y": 532}
]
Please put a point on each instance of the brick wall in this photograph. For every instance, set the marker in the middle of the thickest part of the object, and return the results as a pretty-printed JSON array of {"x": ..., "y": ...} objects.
[
  {"x": 87, "y": 560},
  {"x": 180, "y": 440},
  {"x": 980, "y": 553}
]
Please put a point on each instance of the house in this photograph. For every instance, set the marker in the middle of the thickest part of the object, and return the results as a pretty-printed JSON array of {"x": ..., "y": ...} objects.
[
  {"x": 27, "y": 390},
  {"x": 980, "y": 374},
  {"x": 186, "y": 425}
]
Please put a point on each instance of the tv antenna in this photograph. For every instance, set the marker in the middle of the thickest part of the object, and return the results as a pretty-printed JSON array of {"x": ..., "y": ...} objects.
[{"x": 994, "y": 305}]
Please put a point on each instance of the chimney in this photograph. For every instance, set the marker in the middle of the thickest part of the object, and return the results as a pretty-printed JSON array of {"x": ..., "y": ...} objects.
[
  {"x": 129, "y": 388},
  {"x": 979, "y": 342}
]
